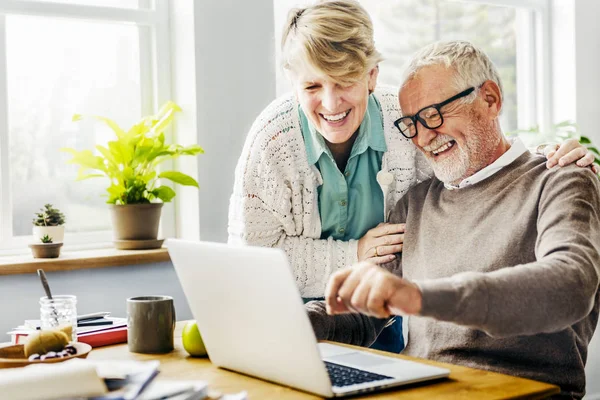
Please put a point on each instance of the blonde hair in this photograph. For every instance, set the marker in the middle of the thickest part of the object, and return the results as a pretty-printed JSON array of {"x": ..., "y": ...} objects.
[
  {"x": 472, "y": 66},
  {"x": 333, "y": 38}
]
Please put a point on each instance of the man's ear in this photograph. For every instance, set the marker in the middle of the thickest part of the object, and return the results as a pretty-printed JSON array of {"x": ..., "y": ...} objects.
[{"x": 490, "y": 93}]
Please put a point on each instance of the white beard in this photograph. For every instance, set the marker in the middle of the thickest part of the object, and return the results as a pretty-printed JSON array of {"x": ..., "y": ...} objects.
[
  {"x": 451, "y": 170},
  {"x": 467, "y": 158}
]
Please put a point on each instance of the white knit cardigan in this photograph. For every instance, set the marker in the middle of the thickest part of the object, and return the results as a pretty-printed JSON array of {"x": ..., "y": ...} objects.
[{"x": 274, "y": 201}]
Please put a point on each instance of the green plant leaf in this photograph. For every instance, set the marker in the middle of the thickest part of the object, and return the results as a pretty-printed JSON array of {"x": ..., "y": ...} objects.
[
  {"x": 86, "y": 159},
  {"x": 121, "y": 152},
  {"x": 179, "y": 178},
  {"x": 165, "y": 116},
  {"x": 112, "y": 125},
  {"x": 128, "y": 173},
  {"x": 169, "y": 105},
  {"x": 107, "y": 155},
  {"x": 138, "y": 130},
  {"x": 81, "y": 176},
  {"x": 116, "y": 189},
  {"x": 192, "y": 150},
  {"x": 584, "y": 140},
  {"x": 161, "y": 141},
  {"x": 149, "y": 176},
  {"x": 142, "y": 151},
  {"x": 594, "y": 150},
  {"x": 164, "y": 193}
]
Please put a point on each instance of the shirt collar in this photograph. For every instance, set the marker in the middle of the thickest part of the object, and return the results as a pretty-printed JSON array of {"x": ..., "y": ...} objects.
[
  {"x": 370, "y": 134},
  {"x": 517, "y": 148}
]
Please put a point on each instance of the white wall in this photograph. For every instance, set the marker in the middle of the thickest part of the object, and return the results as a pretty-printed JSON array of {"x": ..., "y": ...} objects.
[
  {"x": 97, "y": 289},
  {"x": 587, "y": 68},
  {"x": 235, "y": 80}
]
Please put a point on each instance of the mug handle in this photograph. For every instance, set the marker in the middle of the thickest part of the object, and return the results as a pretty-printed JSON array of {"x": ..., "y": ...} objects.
[{"x": 174, "y": 314}]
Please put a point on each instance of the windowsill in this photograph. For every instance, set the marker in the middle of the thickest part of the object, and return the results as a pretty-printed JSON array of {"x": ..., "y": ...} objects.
[{"x": 84, "y": 259}]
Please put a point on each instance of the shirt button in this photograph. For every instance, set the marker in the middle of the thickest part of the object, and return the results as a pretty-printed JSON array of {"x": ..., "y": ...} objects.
[
  {"x": 343, "y": 203},
  {"x": 347, "y": 173},
  {"x": 341, "y": 230}
]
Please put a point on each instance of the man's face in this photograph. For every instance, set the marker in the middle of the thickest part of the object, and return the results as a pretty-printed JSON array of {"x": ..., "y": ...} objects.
[
  {"x": 466, "y": 141},
  {"x": 335, "y": 111}
]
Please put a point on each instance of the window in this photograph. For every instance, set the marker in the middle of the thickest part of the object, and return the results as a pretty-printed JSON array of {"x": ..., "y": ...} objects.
[
  {"x": 509, "y": 31},
  {"x": 58, "y": 58}
]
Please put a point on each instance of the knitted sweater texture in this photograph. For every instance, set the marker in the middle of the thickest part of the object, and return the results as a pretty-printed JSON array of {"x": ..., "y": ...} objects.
[{"x": 274, "y": 201}]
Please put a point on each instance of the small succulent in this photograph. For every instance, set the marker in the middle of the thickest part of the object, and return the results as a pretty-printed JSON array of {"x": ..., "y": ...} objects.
[
  {"x": 49, "y": 216},
  {"x": 46, "y": 239}
]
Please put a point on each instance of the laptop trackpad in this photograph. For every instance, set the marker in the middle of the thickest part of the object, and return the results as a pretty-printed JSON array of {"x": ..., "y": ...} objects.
[{"x": 360, "y": 360}]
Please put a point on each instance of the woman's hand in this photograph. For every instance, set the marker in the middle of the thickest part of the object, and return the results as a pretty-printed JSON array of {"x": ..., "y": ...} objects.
[
  {"x": 380, "y": 244},
  {"x": 569, "y": 152}
]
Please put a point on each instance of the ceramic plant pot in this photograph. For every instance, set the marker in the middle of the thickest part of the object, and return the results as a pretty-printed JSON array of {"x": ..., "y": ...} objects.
[
  {"x": 45, "y": 250},
  {"x": 57, "y": 233},
  {"x": 136, "y": 221}
]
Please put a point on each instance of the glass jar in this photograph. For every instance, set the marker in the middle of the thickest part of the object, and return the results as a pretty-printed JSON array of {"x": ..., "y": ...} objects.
[{"x": 59, "y": 312}]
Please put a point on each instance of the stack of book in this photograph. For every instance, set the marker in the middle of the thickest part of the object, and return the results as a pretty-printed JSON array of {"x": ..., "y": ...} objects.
[{"x": 94, "y": 329}]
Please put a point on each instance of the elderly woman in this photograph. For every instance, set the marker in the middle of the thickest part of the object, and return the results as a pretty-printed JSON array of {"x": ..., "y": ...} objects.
[{"x": 322, "y": 167}]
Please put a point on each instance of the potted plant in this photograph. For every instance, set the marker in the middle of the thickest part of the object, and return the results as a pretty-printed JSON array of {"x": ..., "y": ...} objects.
[
  {"x": 46, "y": 248},
  {"x": 49, "y": 222},
  {"x": 131, "y": 162}
]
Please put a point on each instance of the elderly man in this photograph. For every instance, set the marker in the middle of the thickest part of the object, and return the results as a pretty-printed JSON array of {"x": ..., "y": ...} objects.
[{"x": 500, "y": 267}]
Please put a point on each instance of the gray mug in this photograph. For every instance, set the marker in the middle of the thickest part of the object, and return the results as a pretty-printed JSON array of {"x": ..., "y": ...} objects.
[{"x": 150, "y": 324}]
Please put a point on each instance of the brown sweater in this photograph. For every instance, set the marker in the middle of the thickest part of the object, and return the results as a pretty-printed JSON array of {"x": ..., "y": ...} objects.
[{"x": 509, "y": 269}]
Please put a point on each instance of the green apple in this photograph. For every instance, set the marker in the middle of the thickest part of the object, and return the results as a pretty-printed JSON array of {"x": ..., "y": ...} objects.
[{"x": 192, "y": 340}]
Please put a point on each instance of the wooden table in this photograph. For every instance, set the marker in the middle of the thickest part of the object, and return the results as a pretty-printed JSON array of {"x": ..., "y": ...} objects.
[{"x": 463, "y": 382}]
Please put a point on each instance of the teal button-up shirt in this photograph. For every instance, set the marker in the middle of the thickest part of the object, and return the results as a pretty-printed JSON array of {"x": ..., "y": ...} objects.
[{"x": 350, "y": 202}]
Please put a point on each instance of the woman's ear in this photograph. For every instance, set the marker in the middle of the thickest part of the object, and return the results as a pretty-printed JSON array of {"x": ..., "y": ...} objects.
[
  {"x": 373, "y": 74},
  {"x": 292, "y": 80}
]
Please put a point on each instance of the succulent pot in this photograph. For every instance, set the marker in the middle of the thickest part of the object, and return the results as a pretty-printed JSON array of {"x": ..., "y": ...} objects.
[
  {"x": 57, "y": 233},
  {"x": 135, "y": 221},
  {"x": 45, "y": 250}
]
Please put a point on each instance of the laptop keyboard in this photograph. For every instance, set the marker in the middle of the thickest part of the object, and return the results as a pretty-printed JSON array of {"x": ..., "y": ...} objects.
[{"x": 341, "y": 375}]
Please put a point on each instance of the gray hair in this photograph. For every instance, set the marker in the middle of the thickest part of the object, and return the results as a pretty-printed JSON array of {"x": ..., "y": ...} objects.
[{"x": 472, "y": 66}]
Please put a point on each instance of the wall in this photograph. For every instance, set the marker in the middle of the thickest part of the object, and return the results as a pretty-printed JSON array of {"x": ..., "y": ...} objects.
[
  {"x": 100, "y": 289},
  {"x": 587, "y": 75},
  {"x": 235, "y": 80}
]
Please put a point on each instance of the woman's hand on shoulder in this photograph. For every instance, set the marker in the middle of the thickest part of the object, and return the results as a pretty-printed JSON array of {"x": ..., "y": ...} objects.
[
  {"x": 380, "y": 244},
  {"x": 568, "y": 152}
]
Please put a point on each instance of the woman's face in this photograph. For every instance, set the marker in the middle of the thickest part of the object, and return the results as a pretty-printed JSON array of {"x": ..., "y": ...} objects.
[{"x": 335, "y": 111}]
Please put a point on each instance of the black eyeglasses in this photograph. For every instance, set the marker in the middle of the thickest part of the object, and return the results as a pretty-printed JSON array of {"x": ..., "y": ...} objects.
[{"x": 430, "y": 117}]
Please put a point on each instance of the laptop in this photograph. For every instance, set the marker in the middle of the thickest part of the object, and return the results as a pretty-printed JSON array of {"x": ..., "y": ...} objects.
[{"x": 252, "y": 319}]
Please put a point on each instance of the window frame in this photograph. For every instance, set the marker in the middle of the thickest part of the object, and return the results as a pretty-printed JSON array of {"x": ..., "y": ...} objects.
[
  {"x": 152, "y": 20},
  {"x": 534, "y": 73}
]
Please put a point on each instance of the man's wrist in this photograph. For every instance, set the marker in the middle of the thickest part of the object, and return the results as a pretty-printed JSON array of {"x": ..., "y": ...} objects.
[{"x": 417, "y": 298}]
